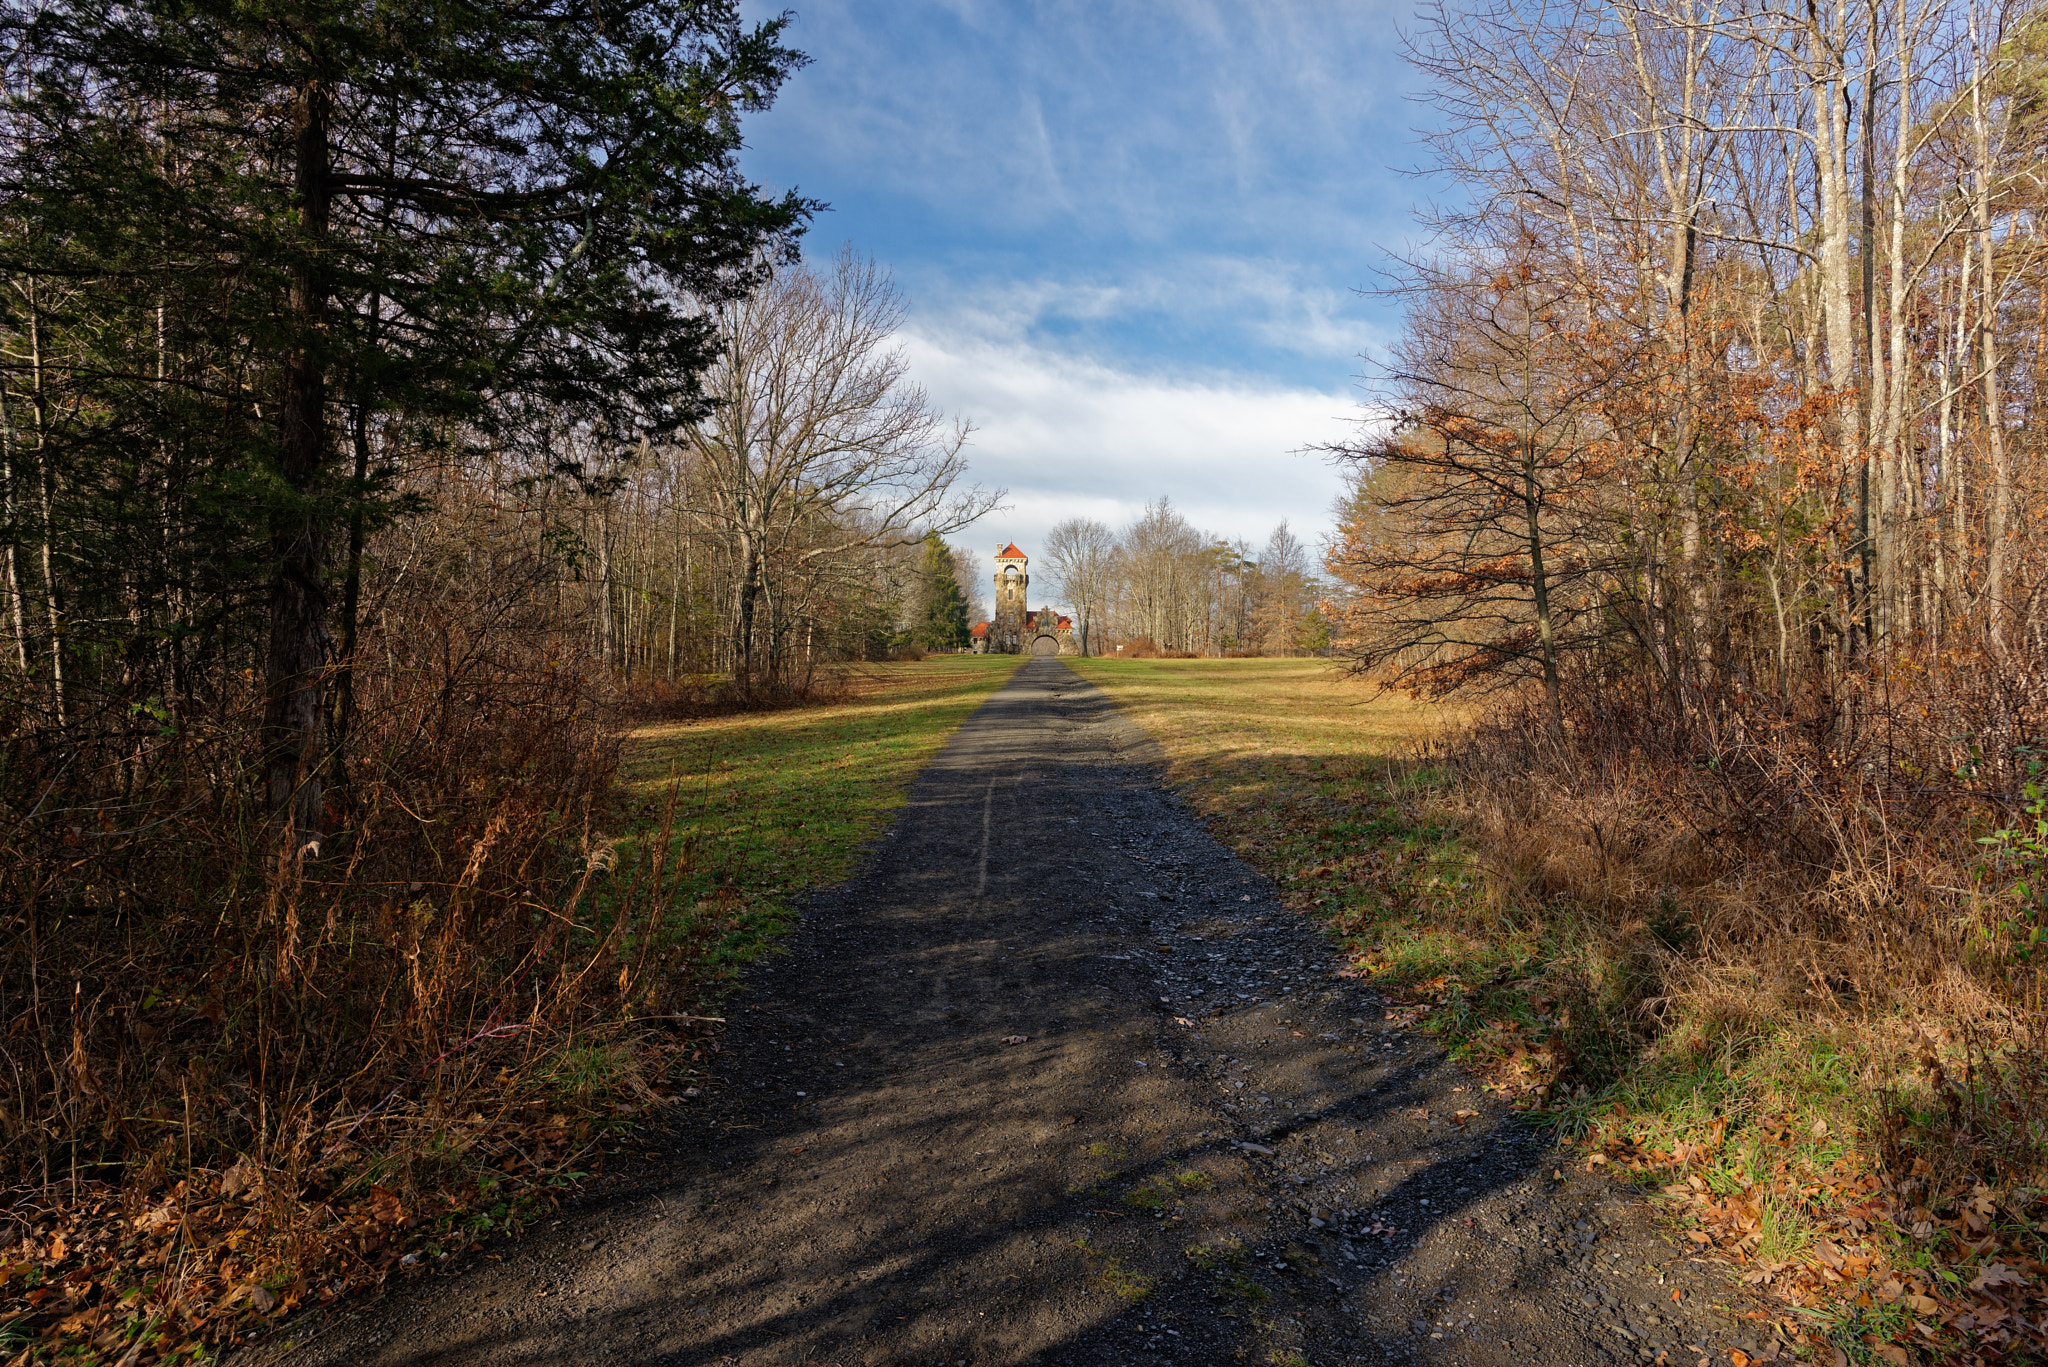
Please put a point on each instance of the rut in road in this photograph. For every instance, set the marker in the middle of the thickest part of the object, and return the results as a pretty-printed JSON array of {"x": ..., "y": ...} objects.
[{"x": 1055, "y": 1080}]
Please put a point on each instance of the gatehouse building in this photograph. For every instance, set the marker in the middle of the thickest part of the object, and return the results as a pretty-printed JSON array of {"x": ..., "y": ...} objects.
[{"x": 1017, "y": 630}]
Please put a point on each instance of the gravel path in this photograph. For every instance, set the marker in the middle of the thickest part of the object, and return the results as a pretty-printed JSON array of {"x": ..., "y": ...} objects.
[{"x": 1056, "y": 1081}]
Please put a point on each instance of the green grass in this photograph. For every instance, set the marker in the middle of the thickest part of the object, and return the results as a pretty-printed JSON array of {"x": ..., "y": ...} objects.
[
  {"x": 583, "y": 1073},
  {"x": 770, "y": 805},
  {"x": 1162, "y": 1189},
  {"x": 1783, "y": 1233},
  {"x": 1249, "y": 715},
  {"x": 1239, "y": 1287},
  {"x": 1124, "y": 1282},
  {"x": 1145, "y": 1197},
  {"x": 1225, "y": 1252}
]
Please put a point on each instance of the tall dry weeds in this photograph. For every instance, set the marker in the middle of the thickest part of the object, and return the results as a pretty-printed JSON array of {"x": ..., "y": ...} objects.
[
  {"x": 253, "y": 1074},
  {"x": 1818, "y": 859}
]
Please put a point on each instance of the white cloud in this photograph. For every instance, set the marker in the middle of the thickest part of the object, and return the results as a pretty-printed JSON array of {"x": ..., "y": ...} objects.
[
  {"x": 1131, "y": 234},
  {"x": 1260, "y": 303},
  {"x": 1133, "y": 128},
  {"x": 1070, "y": 436}
]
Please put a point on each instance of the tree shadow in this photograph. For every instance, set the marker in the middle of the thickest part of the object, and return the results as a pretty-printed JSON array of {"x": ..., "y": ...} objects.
[{"x": 880, "y": 1176}]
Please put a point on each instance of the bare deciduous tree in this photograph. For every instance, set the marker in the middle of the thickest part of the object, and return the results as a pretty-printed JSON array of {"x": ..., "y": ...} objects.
[
  {"x": 1080, "y": 555},
  {"x": 1479, "y": 549},
  {"x": 819, "y": 446}
]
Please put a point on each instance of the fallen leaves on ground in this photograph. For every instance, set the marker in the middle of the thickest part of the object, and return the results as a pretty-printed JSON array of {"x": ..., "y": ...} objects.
[
  {"x": 1955, "y": 1276},
  {"x": 99, "y": 1274}
]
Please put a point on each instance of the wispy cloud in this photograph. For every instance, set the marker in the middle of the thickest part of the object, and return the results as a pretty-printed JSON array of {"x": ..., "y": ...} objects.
[
  {"x": 1161, "y": 156},
  {"x": 1132, "y": 234},
  {"x": 1071, "y": 437},
  {"x": 1274, "y": 303}
]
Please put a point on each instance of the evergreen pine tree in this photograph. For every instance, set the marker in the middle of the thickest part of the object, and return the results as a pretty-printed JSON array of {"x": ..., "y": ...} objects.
[
  {"x": 942, "y": 616},
  {"x": 255, "y": 232}
]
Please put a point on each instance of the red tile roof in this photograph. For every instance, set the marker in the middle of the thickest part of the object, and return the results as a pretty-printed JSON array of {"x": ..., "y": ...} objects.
[
  {"x": 979, "y": 629},
  {"x": 1010, "y": 552}
]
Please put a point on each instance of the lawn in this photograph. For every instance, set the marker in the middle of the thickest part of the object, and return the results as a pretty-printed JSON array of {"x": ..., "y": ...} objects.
[
  {"x": 772, "y": 804},
  {"x": 1216, "y": 715}
]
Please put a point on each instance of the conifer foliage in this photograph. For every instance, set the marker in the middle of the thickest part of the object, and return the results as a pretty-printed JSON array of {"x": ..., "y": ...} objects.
[
  {"x": 259, "y": 257},
  {"x": 329, "y": 335},
  {"x": 942, "y": 612}
]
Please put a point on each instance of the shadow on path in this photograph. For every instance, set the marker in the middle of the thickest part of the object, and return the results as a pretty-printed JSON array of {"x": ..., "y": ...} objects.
[{"x": 1053, "y": 1080}]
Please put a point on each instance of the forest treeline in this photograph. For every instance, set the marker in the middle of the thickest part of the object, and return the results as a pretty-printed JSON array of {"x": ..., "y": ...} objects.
[
  {"x": 1158, "y": 586},
  {"x": 1714, "y": 456},
  {"x": 797, "y": 524},
  {"x": 385, "y": 394}
]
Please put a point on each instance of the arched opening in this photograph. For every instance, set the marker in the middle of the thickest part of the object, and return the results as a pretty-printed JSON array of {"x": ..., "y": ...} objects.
[{"x": 1045, "y": 645}]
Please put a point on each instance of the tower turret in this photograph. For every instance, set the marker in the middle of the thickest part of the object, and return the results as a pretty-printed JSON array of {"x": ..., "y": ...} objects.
[{"x": 1013, "y": 581}]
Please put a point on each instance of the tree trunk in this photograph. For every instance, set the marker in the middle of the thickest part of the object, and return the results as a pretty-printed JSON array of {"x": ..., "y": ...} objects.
[
  {"x": 606, "y": 631},
  {"x": 298, "y": 595},
  {"x": 1868, "y": 517},
  {"x": 746, "y": 588},
  {"x": 351, "y": 595},
  {"x": 17, "y": 607},
  {"x": 675, "y": 602},
  {"x": 1831, "y": 145},
  {"x": 1999, "y": 491},
  {"x": 53, "y": 602},
  {"x": 1539, "y": 586}
]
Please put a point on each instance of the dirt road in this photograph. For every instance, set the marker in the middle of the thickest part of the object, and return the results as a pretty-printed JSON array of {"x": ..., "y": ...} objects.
[{"x": 1056, "y": 1081}]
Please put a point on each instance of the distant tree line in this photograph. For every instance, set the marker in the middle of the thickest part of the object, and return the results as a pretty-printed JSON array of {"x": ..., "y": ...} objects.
[{"x": 1158, "y": 584}]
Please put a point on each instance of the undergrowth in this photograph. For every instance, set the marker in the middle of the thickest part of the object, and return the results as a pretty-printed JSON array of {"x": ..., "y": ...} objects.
[{"x": 246, "y": 1079}]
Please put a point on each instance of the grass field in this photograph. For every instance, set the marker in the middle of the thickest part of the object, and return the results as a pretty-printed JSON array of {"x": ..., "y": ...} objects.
[
  {"x": 1216, "y": 715},
  {"x": 771, "y": 804}
]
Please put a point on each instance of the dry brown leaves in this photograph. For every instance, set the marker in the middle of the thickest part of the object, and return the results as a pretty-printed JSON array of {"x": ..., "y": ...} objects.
[
  {"x": 108, "y": 1277},
  {"x": 1951, "y": 1276}
]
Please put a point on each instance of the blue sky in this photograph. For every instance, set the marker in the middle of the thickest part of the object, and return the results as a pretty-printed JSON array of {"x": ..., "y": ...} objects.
[{"x": 1132, "y": 234}]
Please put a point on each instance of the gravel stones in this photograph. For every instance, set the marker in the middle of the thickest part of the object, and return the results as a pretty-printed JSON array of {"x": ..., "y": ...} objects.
[{"x": 986, "y": 1176}]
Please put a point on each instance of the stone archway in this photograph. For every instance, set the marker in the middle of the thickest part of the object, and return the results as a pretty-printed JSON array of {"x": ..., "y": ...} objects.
[{"x": 1045, "y": 645}]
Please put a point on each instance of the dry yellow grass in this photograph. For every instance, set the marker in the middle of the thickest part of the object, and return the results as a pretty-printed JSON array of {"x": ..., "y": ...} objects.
[{"x": 1215, "y": 715}]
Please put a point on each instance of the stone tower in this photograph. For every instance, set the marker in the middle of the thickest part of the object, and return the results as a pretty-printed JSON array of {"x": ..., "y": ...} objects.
[{"x": 1013, "y": 578}]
